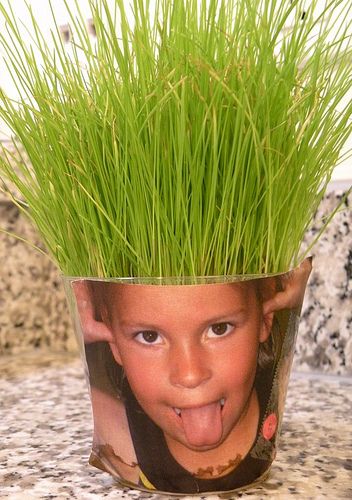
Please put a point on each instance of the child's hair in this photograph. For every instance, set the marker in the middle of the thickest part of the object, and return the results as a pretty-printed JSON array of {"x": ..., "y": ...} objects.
[
  {"x": 104, "y": 373},
  {"x": 110, "y": 378}
]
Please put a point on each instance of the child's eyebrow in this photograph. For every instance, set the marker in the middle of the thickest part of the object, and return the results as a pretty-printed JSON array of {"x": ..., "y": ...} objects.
[
  {"x": 216, "y": 318},
  {"x": 226, "y": 316},
  {"x": 138, "y": 325}
]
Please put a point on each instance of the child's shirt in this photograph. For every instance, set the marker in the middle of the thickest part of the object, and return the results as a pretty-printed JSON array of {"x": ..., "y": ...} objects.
[{"x": 162, "y": 472}]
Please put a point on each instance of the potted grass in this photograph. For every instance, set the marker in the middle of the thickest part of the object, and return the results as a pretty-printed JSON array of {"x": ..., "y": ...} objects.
[{"x": 174, "y": 166}]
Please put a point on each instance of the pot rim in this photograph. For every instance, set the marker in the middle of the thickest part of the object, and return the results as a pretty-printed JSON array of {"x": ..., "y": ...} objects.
[{"x": 181, "y": 280}]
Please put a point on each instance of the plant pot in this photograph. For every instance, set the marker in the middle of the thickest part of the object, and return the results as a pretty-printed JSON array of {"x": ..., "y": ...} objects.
[{"x": 187, "y": 377}]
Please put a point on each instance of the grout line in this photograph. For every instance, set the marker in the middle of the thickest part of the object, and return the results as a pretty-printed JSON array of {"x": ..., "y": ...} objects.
[{"x": 321, "y": 375}]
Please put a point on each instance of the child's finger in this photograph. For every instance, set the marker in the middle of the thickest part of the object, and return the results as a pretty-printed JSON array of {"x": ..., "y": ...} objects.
[{"x": 282, "y": 300}]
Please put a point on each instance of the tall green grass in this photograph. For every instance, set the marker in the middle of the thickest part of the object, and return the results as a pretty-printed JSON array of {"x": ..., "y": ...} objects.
[{"x": 196, "y": 140}]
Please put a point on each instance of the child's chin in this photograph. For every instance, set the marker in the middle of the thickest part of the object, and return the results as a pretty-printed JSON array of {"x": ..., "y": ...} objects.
[{"x": 202, "y": 445}]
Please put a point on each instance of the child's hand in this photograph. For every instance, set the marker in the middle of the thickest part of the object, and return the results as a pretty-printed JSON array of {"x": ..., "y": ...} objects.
[
  {"x": 294, "y": 284},
  {"x": 93, "y": 330}
]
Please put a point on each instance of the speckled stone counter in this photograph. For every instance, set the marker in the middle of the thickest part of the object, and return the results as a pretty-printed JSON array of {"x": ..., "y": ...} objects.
[{"x": 46, "y": 425}]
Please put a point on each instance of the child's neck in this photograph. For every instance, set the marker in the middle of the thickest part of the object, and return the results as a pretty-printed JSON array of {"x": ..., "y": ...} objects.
[{"x": 224, "y": 458}]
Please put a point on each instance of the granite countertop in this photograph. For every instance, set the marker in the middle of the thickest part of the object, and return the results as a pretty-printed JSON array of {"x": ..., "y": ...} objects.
[{"x": 46, "y": 425}]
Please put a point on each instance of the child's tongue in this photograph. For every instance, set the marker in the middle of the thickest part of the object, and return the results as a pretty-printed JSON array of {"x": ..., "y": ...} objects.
[{"x": 202, "y": 425}]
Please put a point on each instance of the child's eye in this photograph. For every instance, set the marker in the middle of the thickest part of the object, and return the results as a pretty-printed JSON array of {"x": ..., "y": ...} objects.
[
  {"x": 219, "y": 329},
  {"x": 148, "y": 337}
]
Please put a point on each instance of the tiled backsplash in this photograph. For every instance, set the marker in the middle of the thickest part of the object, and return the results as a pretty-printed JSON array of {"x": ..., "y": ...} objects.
[
  {"x": 325, "y": 336},
  {"x": 33, "y": 311}
]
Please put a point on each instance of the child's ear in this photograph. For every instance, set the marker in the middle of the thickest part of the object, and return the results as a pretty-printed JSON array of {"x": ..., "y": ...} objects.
[
  {"x": 95, "y": 329},
  {"x": 267, "y": 324},
  {"x": 116, "y": 353},
  {"x": 267, "y": 289},
  {"x": 292, "y": 285}
]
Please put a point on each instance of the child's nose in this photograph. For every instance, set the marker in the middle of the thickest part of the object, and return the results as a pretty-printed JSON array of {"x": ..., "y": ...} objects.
[{"x": 188, "y": 367}]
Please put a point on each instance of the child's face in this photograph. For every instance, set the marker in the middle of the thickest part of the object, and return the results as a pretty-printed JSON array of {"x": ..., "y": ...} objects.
[{"x": 190, "y": 355}]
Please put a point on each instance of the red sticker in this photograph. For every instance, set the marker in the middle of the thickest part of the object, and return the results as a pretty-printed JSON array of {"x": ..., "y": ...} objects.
[{"x": 269, "y": 426}]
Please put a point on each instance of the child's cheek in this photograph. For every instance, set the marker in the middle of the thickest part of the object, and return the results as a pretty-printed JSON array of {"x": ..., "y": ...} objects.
[
  {"x": 144, "y": 372},
  {"x": 241, "y": 366}
]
